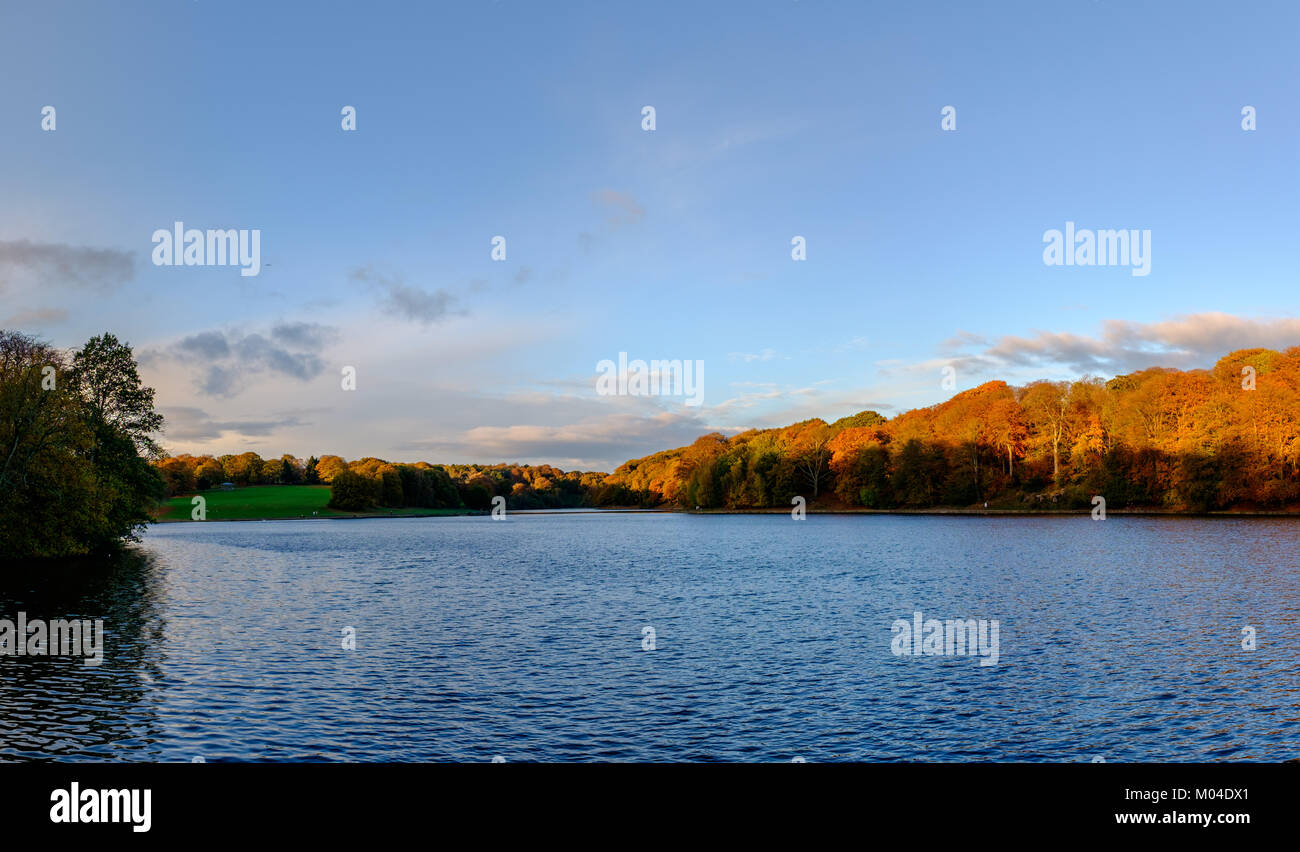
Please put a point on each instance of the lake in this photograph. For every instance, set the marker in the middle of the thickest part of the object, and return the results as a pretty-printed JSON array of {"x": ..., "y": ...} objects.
[{"x": 772, "y": 640}]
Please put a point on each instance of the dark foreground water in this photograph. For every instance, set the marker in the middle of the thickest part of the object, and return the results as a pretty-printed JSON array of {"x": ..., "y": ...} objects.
[{"x": 1119, "y": 639}]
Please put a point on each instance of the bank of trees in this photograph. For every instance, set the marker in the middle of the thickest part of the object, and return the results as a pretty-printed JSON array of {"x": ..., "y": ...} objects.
[
  {"x": 185, "y": 473},
  {"x": 76, "y": 439},
  {"x": 369, "y": 483},
  {"x": 1227, "y": 437}
]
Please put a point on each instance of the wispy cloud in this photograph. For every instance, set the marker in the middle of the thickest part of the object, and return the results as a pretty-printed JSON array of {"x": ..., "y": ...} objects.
[
  {"x": 857, "y": 344},
  {"x": 185, "y": 423},
  {"x": 51, "y": 266},
  {"x": 1191, "y": 341},
  {"x": 399, "y": 299},
  {"x": 40, "y": 316},
  {"x": 749, "y": 357},
  {"x": 620, "y": 208},
  {"x": 599, "y": 443}
]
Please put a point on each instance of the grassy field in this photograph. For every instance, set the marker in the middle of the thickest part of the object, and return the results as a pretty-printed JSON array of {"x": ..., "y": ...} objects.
[{"x": 269, "y": 502}]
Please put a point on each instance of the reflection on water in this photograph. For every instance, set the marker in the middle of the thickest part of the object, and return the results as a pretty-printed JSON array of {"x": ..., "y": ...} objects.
[
  {"x": 55, "y": 707},
  {"x": 1118, "y": 639}
]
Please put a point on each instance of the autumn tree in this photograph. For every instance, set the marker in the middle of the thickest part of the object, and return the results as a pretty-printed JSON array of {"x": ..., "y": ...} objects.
[
  {"x": 811, "y": 452},
  {"x": 1046, "y": 406},
  {"x": 1009, "y": 430},
  {"x": 329, "y": 466}
]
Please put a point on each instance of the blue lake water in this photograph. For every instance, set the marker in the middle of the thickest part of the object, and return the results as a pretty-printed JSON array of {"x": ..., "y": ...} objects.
[{"x": 1119, "y": 639}]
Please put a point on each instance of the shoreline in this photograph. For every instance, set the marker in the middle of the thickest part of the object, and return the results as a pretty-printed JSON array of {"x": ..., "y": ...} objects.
[
  {"x": 443, "y": 513},
  {"x": 980, "y": 512}
]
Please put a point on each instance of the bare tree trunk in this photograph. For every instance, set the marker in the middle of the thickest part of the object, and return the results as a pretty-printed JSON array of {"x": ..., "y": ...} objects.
[{"x": 1056, "y": 455}]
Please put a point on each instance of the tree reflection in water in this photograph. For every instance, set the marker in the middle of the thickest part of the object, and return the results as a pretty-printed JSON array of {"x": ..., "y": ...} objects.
[{"x": 57, "y": 707}]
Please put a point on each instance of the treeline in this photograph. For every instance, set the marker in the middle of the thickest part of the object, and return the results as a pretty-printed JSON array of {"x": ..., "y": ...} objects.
[
  {"x": 185, "y": 473},
  {"x": 373, "y": 482},
  {"x": 75, "y": 445},
  {"x": 370, "y": 483},
  {"x": 1227, "y": 437}
]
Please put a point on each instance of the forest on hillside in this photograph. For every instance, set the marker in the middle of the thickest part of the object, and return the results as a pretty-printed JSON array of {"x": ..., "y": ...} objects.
[{"x": 1195, "y": 440}]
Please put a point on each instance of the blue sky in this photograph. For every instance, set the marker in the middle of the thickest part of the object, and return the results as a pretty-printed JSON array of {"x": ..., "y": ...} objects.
[{"x": 476, "y": 119}]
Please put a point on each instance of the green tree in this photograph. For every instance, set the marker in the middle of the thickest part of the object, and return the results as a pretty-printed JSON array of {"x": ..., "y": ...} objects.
[
  {"x": 73, "y": 479},
  {"x": 104, "y": 372},
  {"x": 352, "y": 492}
]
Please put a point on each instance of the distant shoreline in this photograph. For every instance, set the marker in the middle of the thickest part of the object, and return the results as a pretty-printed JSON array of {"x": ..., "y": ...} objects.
[
  {"x": 978, "y": 512},
  {"x": 445, "y": 513},
  {"x": 1176, "y": 513}
]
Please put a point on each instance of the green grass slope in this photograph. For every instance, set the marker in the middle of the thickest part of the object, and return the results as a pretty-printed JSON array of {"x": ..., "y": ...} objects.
[{"x": 270, "y": 502}]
